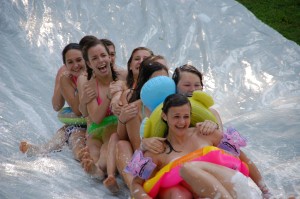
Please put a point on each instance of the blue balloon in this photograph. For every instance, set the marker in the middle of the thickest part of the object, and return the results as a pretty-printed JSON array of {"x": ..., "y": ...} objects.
[{"x": 156, "y": 90}]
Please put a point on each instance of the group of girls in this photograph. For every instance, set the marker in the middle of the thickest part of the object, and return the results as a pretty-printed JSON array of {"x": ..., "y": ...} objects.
[{"x": 95, "y": 88}]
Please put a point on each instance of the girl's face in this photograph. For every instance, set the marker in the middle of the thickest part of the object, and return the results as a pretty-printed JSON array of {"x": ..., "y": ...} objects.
[
  {"x": 159, "y": 73},
  {"x": 112, "y": 53},
  {"x": 99, "y": 60},
  {"x": 137, "y": 59},
  {"x": 74, "y": 62},
  {"x": 178, "y": 119},
  {"x": 188, "y": 83}
]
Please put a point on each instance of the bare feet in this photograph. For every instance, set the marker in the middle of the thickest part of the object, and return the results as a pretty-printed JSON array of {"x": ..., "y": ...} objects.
[
  {"x": 82, "y": 153},
  {"x": 29, "y": 149},
  {"x": 111, "y": 184},
  {"x": 90, "y": 167},
  {"x": 24, "y": 146}
]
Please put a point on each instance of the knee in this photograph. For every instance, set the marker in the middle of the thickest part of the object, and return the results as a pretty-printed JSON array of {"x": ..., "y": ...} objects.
[
  {"x": 114, "y": 137},
  {"x": 123, "y": 145}
]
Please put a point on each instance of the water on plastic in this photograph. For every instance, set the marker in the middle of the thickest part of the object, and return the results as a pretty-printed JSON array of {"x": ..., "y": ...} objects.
[{"x": 250, "y": 69}]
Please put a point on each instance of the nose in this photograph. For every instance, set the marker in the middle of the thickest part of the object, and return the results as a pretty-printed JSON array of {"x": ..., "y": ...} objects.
[
  {"x": 193, "y": 88},
  {"x": 141, "y": 60},
  {"x": 181, "y": 120}
]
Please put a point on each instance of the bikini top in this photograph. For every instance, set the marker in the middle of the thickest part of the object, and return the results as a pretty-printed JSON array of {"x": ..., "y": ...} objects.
[{"x": 99, "y": 101}]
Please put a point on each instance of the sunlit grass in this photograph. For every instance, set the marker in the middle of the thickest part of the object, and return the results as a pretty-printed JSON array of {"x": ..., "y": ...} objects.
[{"x": 281, "y": 15}]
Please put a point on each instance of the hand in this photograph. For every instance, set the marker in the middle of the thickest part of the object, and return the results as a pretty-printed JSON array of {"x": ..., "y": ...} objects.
[
  {"x": 153, "y": 144},
  {"x": 88, "y": 94},
  {"x": 128, "y": 112},
  {"x": 207, "y": 127},
  {"x": 265, "y": 190},
  {"x": 116, "y": 86},
  {"x": 116, "y": 108}
]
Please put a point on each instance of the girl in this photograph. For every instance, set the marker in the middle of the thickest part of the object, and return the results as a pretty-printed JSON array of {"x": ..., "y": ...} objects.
[
  {"x": 201, "y": 178},
  {"x": 101, "y": 147},
  {"x": 65, "y": 90}
]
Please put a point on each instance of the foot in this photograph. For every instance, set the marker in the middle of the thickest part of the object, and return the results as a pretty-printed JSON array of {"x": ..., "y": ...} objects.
[
  {"x": 111, "y": 184},
  {"x": 82, "y": 153},
  {"x": 29, "y": 149},
  {"x": 91, "y": 168},
  {"x": 24, "y": 146}
]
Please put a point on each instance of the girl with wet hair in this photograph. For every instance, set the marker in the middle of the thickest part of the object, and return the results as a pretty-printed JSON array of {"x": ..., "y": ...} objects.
[{"x": 99, "y": 157}]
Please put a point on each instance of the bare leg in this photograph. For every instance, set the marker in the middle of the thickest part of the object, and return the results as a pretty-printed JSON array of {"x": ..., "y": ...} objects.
[
  {"x": 77, "y": 143},
  {"x": 94, "y": 146},
  {"x": 91, "y": 157},
  {"x": 91, "y": 168},
  {"x": 110, "y": 182},
  {"x": 209, "y": 180},
  {"x": 55, "y": 143},
  {"x": 175, "y": 192},
  {"x": 124, "y": 153}
]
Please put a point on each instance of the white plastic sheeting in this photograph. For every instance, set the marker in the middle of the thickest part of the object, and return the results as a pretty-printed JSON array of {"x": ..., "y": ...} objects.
[{"x": 250, "y": 69}]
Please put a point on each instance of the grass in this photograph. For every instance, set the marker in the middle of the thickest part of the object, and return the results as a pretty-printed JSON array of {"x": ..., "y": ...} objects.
[{"x": 281, "y": 15}]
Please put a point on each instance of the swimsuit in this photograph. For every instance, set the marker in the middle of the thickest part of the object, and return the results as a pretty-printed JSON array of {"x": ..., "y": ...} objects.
[
  {"x": 97, "y": 130},
  {"x": 71, "y": 129}
]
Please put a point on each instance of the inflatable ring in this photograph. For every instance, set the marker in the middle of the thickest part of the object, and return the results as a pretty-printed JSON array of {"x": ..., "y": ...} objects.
[
  {"x": 108, "y": 123},
  {"x": 154, "y": 126},
  {"x": 67, "y": 116},
  {"x": 169, "y": 175}
]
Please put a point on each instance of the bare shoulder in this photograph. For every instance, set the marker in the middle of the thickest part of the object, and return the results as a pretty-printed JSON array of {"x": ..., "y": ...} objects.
[{"x": 122, "y": 73}]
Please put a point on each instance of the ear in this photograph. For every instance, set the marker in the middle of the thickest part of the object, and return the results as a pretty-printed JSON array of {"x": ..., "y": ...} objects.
[{"x": 164, "y": 116}]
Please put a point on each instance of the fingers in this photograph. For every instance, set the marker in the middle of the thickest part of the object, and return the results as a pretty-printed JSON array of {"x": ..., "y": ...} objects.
[
  {"x": 155, "y": 145},
  {"x": 128, "y": 112},
  {"x": 207, "y": 127}
]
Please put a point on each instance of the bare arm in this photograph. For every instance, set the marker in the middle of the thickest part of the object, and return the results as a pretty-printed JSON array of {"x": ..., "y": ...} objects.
[
  {"x": 255, "y": 175},
  {"x": 58, "y": 100},
  {"x": 70, "y": 94},
  {"x": 216, "y": 114},
  {"x": 85, "y": 95},
  {"x": 129, "y": 111},
  {"x": 116, "y": 89}
]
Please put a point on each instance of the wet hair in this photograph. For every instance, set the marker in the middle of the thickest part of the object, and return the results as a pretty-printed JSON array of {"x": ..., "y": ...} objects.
[
  {"x": 129, "y": 78},
  {"x": 173, "y": 100},
  {"x": 82, "y": 42},
  {"x": 86, "y": 39},
  {"x": 186, "y": 68},
  {"x": 154, "y": 58},
  {"x": 108, "y": 42},
  {"x": 70, "y": 46},
  {"x": 148, "y": 67},
  {"x": 86, "y": 47}
]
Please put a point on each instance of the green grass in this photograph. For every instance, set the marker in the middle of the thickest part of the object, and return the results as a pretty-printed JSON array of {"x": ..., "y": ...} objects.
[{"x": 282, "y": 15}]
